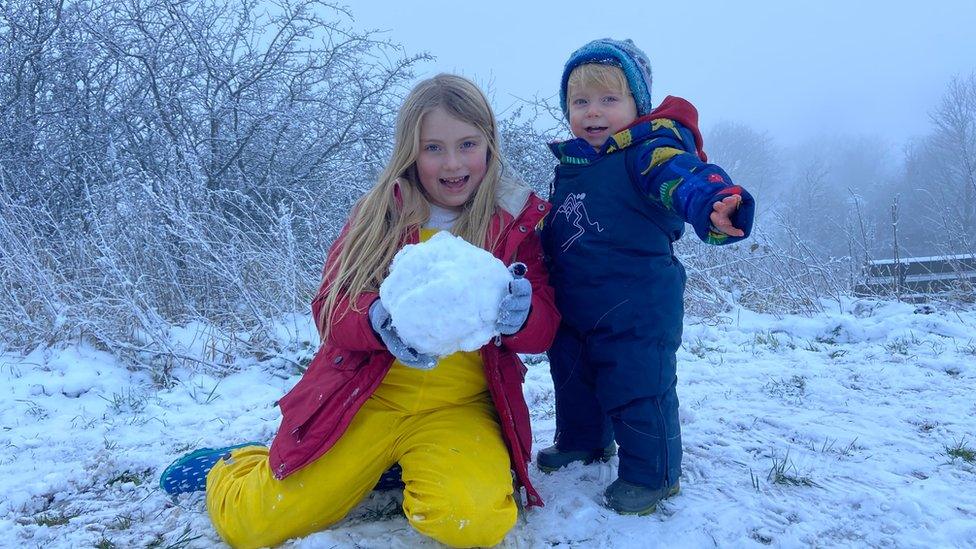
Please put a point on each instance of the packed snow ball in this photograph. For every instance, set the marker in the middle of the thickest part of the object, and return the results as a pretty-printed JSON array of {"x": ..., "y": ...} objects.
[{"x": 443, "y": 294}]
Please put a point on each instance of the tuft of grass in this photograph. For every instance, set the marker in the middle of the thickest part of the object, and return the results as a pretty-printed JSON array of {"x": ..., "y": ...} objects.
[
  {"x": 902, "y": 345},
  {"x": 969, "y": 348},
  {"x": 702, "y": 349},
  {"x": 128, "y": 401},
  {"x": 830, "y": 337},
  {"x": 52, "y": 519},
  {"x": 784, "y": 472},
  {"x": 122, "y": 522},
  {"x": 792, "y": 389},
  {"x": 938, "y": 347},
  {"x": 768, "y": 339},
  {"x": 162, "y": 375},
  {"x": 184, "y": 540},
  {"x": 34, "y": 409},
  {"x": 851, "y": 448},
  {"x": 754, "y": 479},
  {"x": 105, "y": 543},
  {"x": 961, "y": 450},
  {"x": 829, "y": 446},
  {"x": 201, "y": 395},
  {"x": 136, "y": 478}
]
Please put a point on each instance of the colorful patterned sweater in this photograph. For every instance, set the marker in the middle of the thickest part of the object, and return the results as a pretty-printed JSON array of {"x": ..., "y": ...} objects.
[{"x": 671, "y": 168}]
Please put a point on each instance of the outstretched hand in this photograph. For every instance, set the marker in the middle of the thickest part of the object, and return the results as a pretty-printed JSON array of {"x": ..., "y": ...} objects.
[{"x": 722, "y": 213}]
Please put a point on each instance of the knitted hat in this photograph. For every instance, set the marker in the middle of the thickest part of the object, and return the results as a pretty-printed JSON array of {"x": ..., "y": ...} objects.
[{"x": 618, "y": 53}]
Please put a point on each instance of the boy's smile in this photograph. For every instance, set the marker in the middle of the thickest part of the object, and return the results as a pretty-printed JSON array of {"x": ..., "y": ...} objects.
[
  {"x": 596, "y": 130},
  {"x": 596, "y": 113}
]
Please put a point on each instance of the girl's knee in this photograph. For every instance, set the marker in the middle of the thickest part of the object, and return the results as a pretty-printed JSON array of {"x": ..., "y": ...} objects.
[
  {"x": 250, "y": 508},
  {"x": 470, "y": 519}
]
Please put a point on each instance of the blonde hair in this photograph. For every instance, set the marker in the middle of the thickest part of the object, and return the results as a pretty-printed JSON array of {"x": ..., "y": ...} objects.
[
  {"x": 598, "y": 75},
  {"x": 397, "y": 203}
]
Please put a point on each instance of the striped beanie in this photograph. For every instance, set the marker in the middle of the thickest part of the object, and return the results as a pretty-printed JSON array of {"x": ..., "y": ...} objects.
[{"x": 619, "y": 53}]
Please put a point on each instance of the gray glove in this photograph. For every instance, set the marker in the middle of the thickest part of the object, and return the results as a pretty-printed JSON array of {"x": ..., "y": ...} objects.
[
  {"x": 379, "y": 319},
  {"x": 514, "y": 308}
]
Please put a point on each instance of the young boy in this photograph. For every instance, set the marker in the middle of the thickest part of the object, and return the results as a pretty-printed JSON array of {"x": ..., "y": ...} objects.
[{"x": 624, "y": 188}]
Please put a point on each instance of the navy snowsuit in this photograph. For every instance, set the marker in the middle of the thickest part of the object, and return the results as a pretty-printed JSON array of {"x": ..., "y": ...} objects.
[{"x": 609, "y": 242}]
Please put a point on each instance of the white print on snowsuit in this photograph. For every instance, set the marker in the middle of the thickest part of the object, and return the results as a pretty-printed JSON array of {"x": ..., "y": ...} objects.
[{"x": 575, "y": 212}]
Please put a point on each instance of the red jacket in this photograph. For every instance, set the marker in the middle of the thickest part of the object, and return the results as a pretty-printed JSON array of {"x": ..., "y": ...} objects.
[{"x": 353, "y": 362}]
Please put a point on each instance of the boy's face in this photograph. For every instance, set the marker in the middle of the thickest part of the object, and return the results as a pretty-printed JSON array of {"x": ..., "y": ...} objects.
[{"x": 596, "y": 113}]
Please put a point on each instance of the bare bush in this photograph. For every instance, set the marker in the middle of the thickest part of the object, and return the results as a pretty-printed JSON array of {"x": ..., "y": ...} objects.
[
  {"x": 170, "y": 161},
  {"x": 763, "y": 274}
]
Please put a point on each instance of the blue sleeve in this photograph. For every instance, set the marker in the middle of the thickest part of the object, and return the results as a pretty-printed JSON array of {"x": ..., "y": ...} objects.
[{"x": 669, "y": 172}]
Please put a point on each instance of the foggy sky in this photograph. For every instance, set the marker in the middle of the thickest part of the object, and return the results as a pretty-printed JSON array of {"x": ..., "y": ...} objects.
[{"x": 794, "y": 69}]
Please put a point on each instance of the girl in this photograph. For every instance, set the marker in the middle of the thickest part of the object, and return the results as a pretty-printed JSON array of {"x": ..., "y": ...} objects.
[{"x": 368, "y": 401}]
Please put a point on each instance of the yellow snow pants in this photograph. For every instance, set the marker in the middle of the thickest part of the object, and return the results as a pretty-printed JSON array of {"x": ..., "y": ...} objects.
[{"x": 439, "y": 425}]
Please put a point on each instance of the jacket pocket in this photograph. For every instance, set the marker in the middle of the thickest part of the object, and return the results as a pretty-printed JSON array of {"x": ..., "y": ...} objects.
[
  {"x": 327, "y": 375},
  {"x": 348, "y": 360}
]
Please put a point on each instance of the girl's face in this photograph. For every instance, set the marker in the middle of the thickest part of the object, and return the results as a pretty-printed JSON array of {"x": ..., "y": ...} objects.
[{"x": 453, "y": 159}]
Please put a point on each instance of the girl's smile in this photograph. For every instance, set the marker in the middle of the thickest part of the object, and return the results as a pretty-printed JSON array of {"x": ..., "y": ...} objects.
[{"x": 456, "y": 182}]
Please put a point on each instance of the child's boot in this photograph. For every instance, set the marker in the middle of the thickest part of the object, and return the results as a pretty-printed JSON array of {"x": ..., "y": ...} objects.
[
  {"x": 628, "y": 498},
  {"x": 189, "y": 473},
  {"x": 552, "y": 458}
]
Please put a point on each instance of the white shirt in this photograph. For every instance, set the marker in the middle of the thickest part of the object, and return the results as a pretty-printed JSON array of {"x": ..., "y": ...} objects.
[{"x": 441, "y": 218}]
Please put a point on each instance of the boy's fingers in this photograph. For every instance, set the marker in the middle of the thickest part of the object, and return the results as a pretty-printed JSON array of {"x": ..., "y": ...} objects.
[
  {"x": 728, "y": 204},
  {"x": 730, "y": 230},
  {"x": 721, "y": 222}
]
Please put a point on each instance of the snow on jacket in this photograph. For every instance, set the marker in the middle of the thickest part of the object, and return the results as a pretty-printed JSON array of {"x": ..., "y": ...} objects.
[{"x": 352, "y": 363}]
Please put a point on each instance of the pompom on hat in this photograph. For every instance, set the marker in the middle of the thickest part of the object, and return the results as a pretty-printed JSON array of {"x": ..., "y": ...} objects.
[{"x": 618, "y": 53}]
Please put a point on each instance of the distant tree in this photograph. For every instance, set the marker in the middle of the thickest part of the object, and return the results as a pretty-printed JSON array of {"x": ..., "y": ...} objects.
[
  {"x": 955, "y": 137},
  {"x": 751, "y": 158}
]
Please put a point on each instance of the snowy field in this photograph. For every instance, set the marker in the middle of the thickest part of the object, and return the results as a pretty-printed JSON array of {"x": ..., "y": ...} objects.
[{"x": 851, "y": 428}]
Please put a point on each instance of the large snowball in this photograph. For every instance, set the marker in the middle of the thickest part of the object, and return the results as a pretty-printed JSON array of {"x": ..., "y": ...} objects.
[{"x": 443, "y": 294}]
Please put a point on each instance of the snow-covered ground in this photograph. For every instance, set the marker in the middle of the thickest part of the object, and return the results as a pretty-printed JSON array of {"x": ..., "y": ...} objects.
[{"x": 846, "y": 429}]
